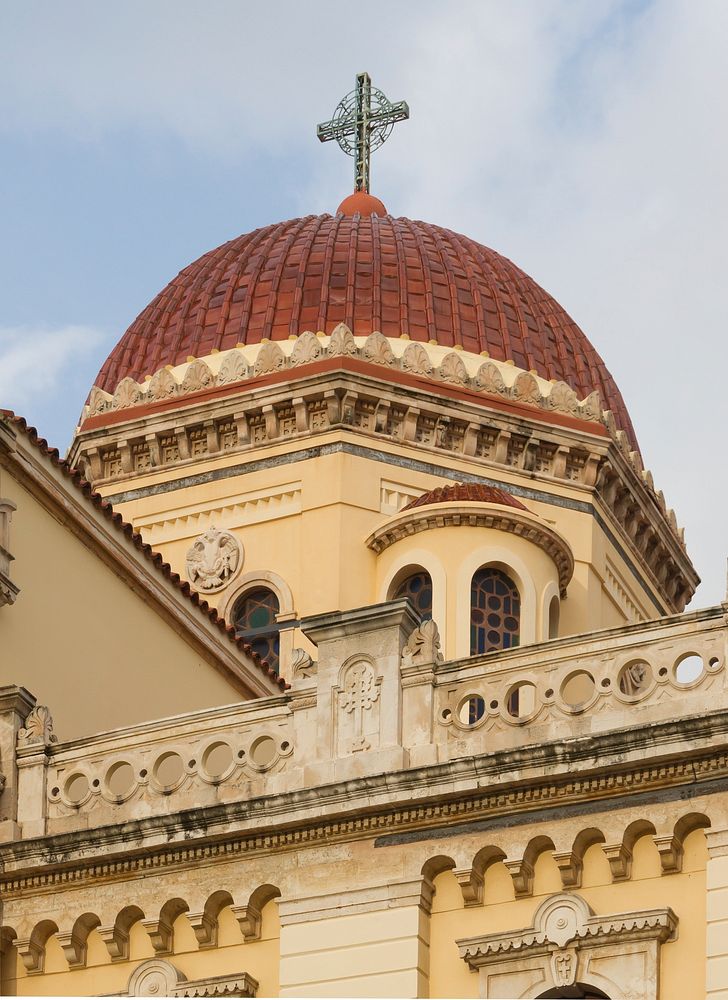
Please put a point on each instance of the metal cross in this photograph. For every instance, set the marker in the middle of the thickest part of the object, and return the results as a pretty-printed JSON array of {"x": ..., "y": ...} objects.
[{"x": 361, "y": 123}]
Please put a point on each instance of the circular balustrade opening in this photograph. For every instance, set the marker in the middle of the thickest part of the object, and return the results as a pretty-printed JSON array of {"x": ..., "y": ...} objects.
[
  {"x": 689, "y": 668},
  {"x": 120, "y": 778},
  {"x": 577, "y": 689},
  {"x": 263, "y": 751},
  {"x": 76, "y": 788},
  {"x": 521, "y": 700},
  {"x": 217, "y": 759},
  {"x": 471, "y": 710},
  {"x": 168, "y": 769}
]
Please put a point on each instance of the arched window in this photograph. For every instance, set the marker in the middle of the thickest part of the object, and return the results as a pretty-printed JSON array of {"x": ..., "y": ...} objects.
[
  {"x": 254, "y": 618},
  {"x": 418, "y": 587},
  {"x": 495, "y": 611}
]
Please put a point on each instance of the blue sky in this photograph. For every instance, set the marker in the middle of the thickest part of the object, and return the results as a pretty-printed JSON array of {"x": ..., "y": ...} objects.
[{"x": 581, "y": 139}]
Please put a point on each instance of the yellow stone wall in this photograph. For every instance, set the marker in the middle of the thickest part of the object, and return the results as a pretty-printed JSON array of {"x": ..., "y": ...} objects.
[
  {"x": 307, "y": 522},
  {"x": 80, "y": 639}
]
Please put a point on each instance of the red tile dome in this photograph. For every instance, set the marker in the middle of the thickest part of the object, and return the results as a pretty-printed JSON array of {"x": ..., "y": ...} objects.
[
  {"x": 372, "y": 273},
  {"x": 469, "y": 492}
]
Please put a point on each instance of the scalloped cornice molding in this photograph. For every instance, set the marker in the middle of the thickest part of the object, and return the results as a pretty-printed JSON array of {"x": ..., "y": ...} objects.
[{"x": 480, "y": 515}]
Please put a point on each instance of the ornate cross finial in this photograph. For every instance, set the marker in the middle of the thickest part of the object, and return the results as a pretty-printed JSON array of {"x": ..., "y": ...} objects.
[{"x": 361, "y": 123}]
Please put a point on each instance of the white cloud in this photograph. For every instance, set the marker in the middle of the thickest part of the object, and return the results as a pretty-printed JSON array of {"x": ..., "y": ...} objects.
[
  {"x": 584, "y": 140},
  {"x": 35, "y": 362}
]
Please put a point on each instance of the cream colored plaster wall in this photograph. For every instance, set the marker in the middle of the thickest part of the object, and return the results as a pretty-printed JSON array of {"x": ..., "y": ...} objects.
[
  {"x": 682, "y": 960},
  {"x": 84, "y": 643},
  {"x": 321, "y": 510}
]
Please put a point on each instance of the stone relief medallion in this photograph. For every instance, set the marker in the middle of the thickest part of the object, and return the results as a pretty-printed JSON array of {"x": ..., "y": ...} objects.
[{"x": 213, "y": 560}]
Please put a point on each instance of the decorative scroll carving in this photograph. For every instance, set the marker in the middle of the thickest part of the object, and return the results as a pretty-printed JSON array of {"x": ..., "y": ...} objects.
[
  {"x": 307, "y": 348},
  {"x": 562, "y": 398},
  {"x": 213, "y": 560},
  {"x": 423, "y": 645},
  {"x": 568, "y": 944},
  {"x": 453, "y": 370},
  {"x": 526, "y": 390},
  {"x": 489, "y": 379},
  {"x": 127, "y": 394},
  {"x": 270, "y": 359},
  {"x": 162, "y": 385},
  {"x": 198, "y": 376},
  {"x": 416, "y": 360},
  {"x": 360, "y": 724},
  {"x": 377, "y": 350},
  {"x": 342, "y": 342},
  {"x": 233, "y": 369},
  {"x": 38, "y": 729},
  {"x": 301, "y": 664}
]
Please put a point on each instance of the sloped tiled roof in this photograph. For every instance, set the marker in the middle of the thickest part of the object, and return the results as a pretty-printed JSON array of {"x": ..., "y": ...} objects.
[
  {"x": 469, "y": 492},
  {"x": 77, "y": 480},
  {"x": 372, "y": 273}
]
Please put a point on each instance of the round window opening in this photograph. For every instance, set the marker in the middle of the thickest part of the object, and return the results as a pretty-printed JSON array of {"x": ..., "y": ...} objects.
[
  {"x": 77, "y": 788},
  {"x": 120, "y": 778},
  {"x": 217, "y": 759},
  {"x": 689, "y": 668},
  {"x": 521, "y": 700},
  {"x": 471, "y": 710},
  {"x": 263, "y": 751},
  {"x": 169, "y": 769},
  {"x": 578, "y": 689},
  {"x": 634, "y": 678}
]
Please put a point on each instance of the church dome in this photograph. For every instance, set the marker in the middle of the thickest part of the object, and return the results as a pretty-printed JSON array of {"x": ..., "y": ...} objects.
[{"x": 371, "y": 272}]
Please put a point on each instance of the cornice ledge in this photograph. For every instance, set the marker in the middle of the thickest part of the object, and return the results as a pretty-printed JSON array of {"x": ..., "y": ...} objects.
[
  {"x": 658, "y": 924},
  {"x": 134, "y": 845},
  {"x": 481, "y": 515}
]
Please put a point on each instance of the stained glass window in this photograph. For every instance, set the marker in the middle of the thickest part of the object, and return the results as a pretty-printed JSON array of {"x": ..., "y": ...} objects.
[
  {"x": 418, "y": 588},
  {"x": 254, "y": 617},
  {"x": 495, "y": 611}
]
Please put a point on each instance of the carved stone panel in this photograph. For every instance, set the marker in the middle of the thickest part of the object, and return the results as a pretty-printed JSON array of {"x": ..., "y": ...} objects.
[
  {"x": 568, "y": 947},
  {"x": 213, "y": 560},
  {"x": 358, "y": 707}
]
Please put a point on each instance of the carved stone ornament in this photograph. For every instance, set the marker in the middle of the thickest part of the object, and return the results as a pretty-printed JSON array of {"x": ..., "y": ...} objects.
[
  {"x": 568, "y": 947},
  {"x": 360, "y": 694},
  {"x": 213, "y": 560},
  {"x": 38, "y": 729},
  {"x": 301, "y": 665},
  {"x": 158, "y": 978},
  {"x": 423, "y": 645}
]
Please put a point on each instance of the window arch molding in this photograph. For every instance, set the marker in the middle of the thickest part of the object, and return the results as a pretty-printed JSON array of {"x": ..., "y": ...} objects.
[
  {"x": 261, "y": 580},
  {"x": 414, "y": 560},
  {"x": 498, "y": 558}
]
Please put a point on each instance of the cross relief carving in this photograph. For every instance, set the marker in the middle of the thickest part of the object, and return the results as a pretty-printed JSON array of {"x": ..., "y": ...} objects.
[{"x": 359, "y": 695}]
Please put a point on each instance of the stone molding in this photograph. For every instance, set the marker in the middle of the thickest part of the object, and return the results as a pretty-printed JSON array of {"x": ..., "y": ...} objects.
[
  {"x": 105, "y": 851},
  {"x": 478, "y": 515},
  {"x": 558, "y": 949},
  {"x": 496, "y": 378},
  {"x": 326, "y": 906},
  {"x": 214, "y": 560},
  {"x": 156, "y": 977},
  {"x": 362, "y": 403}
]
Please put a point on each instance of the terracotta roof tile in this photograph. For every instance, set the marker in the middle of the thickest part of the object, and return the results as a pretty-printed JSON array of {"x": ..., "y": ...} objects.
[
  {"x": 372, "y": 273},
  {"x": 468, "y": 492},
  {"x": 127, "y": 529}
]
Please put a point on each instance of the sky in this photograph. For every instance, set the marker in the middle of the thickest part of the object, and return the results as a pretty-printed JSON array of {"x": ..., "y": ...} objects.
[{"x": 583, "y": 139}]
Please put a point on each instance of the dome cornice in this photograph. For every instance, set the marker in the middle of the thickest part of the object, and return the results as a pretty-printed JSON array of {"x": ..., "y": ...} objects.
[
  {"x": 477, "y": 514},
  {"x": 372, "y": 273}
]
